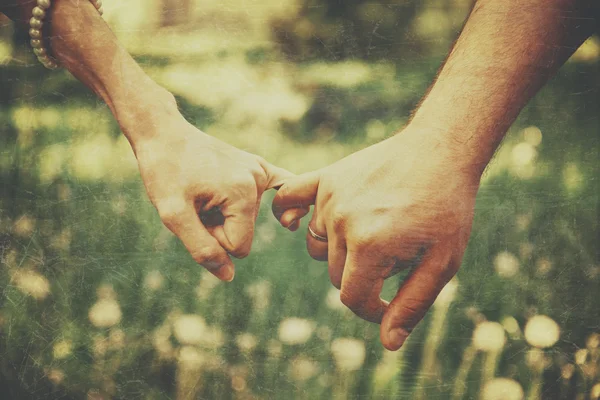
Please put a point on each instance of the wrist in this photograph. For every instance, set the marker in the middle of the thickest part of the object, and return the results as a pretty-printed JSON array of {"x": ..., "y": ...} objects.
[
  {"x": 140, "y": 116},
  {"x": 459, "y": 149}
]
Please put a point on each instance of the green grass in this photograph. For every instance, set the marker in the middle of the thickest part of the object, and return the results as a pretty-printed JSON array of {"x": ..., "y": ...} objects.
[{"x": 81, "y": 233}]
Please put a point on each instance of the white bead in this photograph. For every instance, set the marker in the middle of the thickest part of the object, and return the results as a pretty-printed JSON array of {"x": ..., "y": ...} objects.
[
  {"x": 35, "y": 33},
  {"x": 35, "y": 23},
  {"x": 44, "y": 4},
  {"x": 97, "y": 4},
  {"x": 36, "y": 43},
  {"x": 43, "y": 59},
  {"x": 49, "y": 65},
  {"x": 101, "y": 11},
  {"x": 40, "y": 52},
  {"x": 39, "y": 13}
]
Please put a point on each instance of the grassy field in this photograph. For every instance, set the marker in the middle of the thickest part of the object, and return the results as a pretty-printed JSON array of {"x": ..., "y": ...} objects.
[{"x": 98, "y": 300}]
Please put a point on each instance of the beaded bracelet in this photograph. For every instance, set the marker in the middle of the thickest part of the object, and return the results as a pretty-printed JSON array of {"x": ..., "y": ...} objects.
[{"x": 37, "y": 22}]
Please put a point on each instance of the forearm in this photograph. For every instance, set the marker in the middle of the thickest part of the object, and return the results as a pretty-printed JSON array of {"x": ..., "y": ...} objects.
[
  {"x": 83, "y": 43},
  {"x": 507, "y": 51}
]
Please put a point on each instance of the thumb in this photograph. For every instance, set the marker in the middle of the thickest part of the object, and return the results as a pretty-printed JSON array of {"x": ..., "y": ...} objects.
[
  {"x": 237, "y": 231},
  {"x": 276, "y": 176},
  {"x": 297, "y": 192},
  {"x": 415, "y": 296}
]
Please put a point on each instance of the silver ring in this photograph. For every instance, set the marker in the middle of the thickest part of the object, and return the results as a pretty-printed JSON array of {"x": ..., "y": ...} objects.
[{"x": 316, "y": 236}]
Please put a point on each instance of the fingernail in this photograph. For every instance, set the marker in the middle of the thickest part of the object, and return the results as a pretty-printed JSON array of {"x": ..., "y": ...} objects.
[
  {"x": 227, "y": 272},
  {"x": 397, "y": 337}
]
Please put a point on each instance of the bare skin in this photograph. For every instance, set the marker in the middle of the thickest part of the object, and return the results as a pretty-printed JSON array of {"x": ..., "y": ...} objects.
[
  {"x": 410, "y": 199},
  {"x": 185, "y": 171}
]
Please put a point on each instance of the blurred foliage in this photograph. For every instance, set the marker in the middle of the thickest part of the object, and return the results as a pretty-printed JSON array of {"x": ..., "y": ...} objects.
[{"x": 99, "y": 300}]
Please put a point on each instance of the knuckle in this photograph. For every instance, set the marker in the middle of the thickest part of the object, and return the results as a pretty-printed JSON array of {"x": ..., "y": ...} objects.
[
  {"x": 169, "y": 210},
  {"x": 284, "y": 192},
  {"x": 339, "y": 216},
  {"x": 243, "y": 183},
  {"x": 364, "y": 241},
  {"x": 413, "y": 310},
  {"x": 336, "y": 283},
  {"x": 319, "y": 254},
  {"x": 241, "y": 251},
  {"x": 351, "y": 302},
  {"x": 204, "y": 254}
]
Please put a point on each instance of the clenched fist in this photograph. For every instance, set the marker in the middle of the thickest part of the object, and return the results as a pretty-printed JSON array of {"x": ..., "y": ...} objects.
[
  {"x": 189, "y": 174},
  {"x": 405, "y": 202}
]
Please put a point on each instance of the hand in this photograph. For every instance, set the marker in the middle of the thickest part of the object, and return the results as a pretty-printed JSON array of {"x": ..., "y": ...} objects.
[
  {"x": 187, "y": 173},
  {"x": 407, "y": 201}
]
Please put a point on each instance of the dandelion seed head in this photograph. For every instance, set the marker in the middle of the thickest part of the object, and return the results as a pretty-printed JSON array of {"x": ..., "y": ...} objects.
[
  {"x": 260, "y": 293},
  {"x": 189, "y": 357},
  {"x": 116, "y": 339},
  {"x": 32, "y": 283},
  {"x": 154, "y": 280},
  {"x": 62, "y": 349},
  {"x": 246, "y": 342},
  {"x": 489, "y": 336},
  {"x": 56, "y": 376},
  {"x": 348, "y": 353},
  {"x": 541, "y": 331},
  {"x": 532, "y": 135},
  {"x": 324, "y": 333},
  {"x": 303, "y": 368},
  {"x": 593, "y": 341},
  {"x": 581, "y": 356},
  {"x": 502, "y": 389},
  {"x": 24, "y": 226},
  {"x": 105, "y": 313},
  {"x": 543, "y": 266},
  {"x": 295, "y": 330},
  {"x": 238, "y": 383},
  {"x": 333, "y": 300},
  {"x": 523, "y": 154},
  {"x": 536, "y": 359},
  {"x": 274, "y": 348},
  {"x": 511, "y": 325},
  {"x": 161, "y": 342},
  {"x": 595, "y": 392},
  {"x": 189, "y": 329},
  {"x": 506, "y": 264},
  {"x": 567, "y": 371},
  {"x": 213, "y": 338},
  {"x": 447, "y": 294},
  {"x": 106, "y": 291}
]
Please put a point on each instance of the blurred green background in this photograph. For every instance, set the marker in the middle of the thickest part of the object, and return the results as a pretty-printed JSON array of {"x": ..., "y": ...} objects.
[{"x": 99, "y": 301}]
